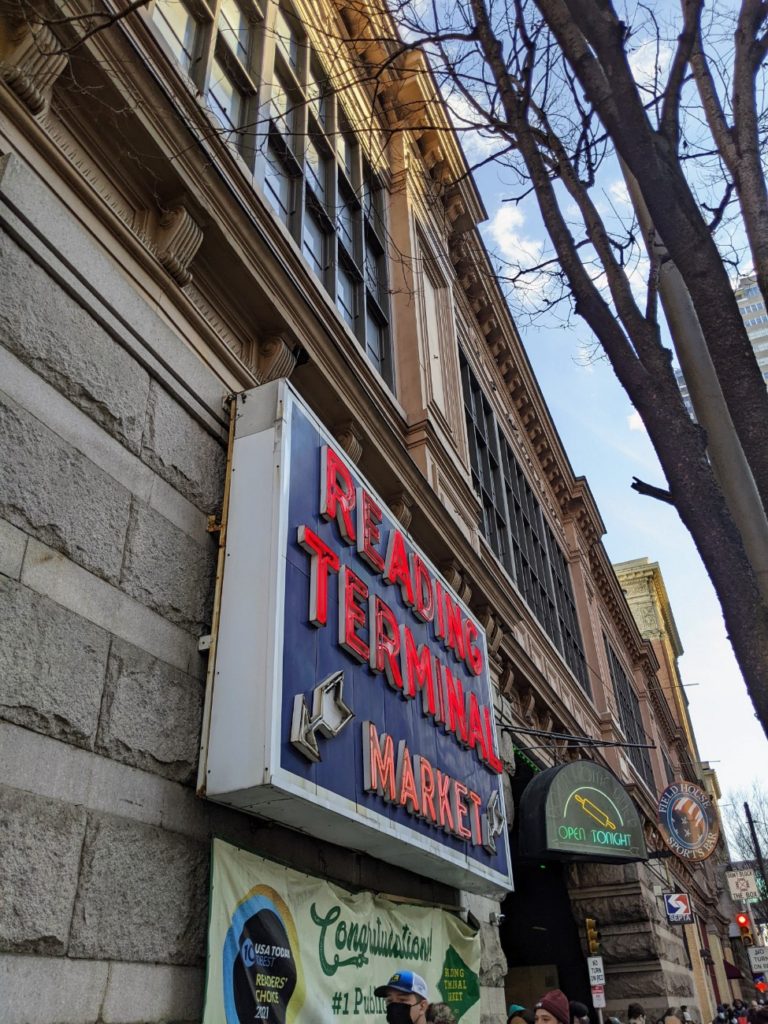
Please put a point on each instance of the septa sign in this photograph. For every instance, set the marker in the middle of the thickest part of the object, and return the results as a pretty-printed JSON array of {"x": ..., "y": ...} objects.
[
  {"x": 678, "y": 907},
  {"x": 350, "y": 695}
]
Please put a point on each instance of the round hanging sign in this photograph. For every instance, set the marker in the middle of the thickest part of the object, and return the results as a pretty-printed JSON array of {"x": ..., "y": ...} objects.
[{"x": 689, "y": 823}]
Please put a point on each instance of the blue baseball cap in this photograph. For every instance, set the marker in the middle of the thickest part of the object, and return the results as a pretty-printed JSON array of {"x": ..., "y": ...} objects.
[{"x": 405, "y": 981}]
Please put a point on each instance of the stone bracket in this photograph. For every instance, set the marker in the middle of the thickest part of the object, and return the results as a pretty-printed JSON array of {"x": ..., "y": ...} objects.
[
  {"x": 273, "y": 357},
  {"x": 30, "y": 62},
  {"x": 401, "y": 506},
  {"x": 175, "y": 238},
  {"x": 350, "y": 436}
]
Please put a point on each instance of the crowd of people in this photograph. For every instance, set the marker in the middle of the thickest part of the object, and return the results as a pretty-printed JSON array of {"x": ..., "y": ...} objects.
[
  {"x": 407, "y": 1001},
  {"x": 739, "y": 1012}
]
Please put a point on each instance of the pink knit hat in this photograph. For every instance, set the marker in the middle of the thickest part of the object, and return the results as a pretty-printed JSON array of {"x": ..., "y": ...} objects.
[{"x": 556, "y": 1003}]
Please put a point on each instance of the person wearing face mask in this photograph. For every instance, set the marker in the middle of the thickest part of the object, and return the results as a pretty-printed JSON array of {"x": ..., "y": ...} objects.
[{"x": 407, "y": 998}]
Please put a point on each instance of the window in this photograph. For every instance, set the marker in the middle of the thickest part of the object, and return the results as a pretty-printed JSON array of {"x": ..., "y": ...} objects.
[
  {"x": 226, "y": 100},
  {"x": 749, "y": 292},
  {"x": 515, "y": 527},
  {"x": 668, "y": 773},
  {"x": 336, "y": 208},
  {"x": 276, "y": 105},
  {"x": 234, "y": 29},
  {"x": 178, "y": 28},
  {"x": 287, "y": 37},
  {"x": 629, "y": 716}
]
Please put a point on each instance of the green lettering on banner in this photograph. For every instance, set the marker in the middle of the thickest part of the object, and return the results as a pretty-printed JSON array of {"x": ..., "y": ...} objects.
[
  {"x": 364, "y": 939},
  {"x": 458, "y": 985}
]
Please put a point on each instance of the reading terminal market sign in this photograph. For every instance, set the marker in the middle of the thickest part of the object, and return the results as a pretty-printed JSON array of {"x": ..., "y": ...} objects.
[{"x": 350, "y": 696}]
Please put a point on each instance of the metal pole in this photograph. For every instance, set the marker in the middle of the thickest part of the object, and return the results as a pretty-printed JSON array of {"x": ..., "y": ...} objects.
[{"x": 729, "y": 463}]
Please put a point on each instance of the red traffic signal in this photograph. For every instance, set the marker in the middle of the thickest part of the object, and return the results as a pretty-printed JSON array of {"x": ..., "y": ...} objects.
[{"x": 745, "y": 929}]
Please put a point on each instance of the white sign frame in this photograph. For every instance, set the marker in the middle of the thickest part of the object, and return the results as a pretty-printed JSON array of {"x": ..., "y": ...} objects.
[
  {"x": 742, "y": 884},
  {"x": 758, "y": 959},
  {"x": 598, "y": 997},
  {"x": 240, "y": 749},
  {"x": 596, "y": 970}
]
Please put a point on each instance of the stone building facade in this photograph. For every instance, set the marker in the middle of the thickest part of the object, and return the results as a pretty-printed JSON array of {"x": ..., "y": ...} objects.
[{"x": 195, "y": 199}]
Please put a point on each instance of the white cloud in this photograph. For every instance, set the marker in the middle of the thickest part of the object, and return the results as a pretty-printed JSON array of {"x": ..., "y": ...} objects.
[
  {"x": 478, "y": 143},
  {"x": 619, "y": 193},
  {"x": 634, "y": 422},
  {"x": 648, "y": 61},
  {"x": 506, "y": 231}
]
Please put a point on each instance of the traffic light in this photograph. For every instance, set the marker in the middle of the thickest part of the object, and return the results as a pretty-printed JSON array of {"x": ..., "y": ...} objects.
[
  {"x": 745, "y": 929},
  {"x": 593, "y": 936}
]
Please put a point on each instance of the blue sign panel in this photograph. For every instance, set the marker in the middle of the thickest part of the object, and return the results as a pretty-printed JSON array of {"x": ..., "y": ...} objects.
[
  {"x": 376, "y": 714},
  {"x": 420, "y": 749}
]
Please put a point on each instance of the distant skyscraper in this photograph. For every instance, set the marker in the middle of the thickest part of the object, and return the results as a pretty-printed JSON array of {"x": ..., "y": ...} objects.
[
  {"x": 684, "y": 391},
  {"x": 755, "y": 317}
]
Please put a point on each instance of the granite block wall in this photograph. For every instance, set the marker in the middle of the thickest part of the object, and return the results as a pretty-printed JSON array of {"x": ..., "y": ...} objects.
[
  {"x": 112, "y": 454},
  {"x": 106, "y": 575}
]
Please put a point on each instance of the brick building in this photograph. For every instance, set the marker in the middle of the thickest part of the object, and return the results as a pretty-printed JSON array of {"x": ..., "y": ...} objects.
[{"x": 196, "y": 200}]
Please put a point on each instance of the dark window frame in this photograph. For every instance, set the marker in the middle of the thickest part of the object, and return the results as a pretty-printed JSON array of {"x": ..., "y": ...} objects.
[
  {"x": 516, "y": 528},
  {"x": 630, "y": 716}
]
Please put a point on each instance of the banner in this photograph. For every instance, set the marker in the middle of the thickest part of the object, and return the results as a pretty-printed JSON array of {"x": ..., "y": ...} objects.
[{"x": 287, "y": 948}]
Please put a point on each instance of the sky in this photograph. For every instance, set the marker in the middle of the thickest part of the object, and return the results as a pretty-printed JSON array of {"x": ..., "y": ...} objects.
[{"x": 606, "y": 442}]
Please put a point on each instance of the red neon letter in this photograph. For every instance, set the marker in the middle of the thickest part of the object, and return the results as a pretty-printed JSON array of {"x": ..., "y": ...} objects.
[
  {"x": 378, "y": 763},
  {"x": 406, "y": 784},
  {"x": 424, "y": 598},
  {"x": 369, "y": 515},
  {"x": 474, "y": 654},
  {"x": 423, "y": 769},
  {"x": 439, "y": 625},
  {"x": 385, "y": 642},
  {"x": 322, "y": 559},
  {"x": 454, "y": 631},
  {"x": 417, "y": 669},
  {"x": 351, "y": 615},
  {"x": 444, "y": 813},
  {"x": 476, "y": 735},
  {"x": 457, "y": 712},
  {"x": 458, "y": 793},
  {"x": 337, "y": 492},
  {"x": 396, "y": 566}
]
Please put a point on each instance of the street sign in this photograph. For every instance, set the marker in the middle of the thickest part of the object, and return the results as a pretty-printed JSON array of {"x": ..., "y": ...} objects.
[
  {"x": 742, "y": 884},
  {"x": 758, "y": 959},
  {"x": 598, "y": 997},
  {"x": 678, "y": 907},
  {"x": 596, "y": 971}
]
